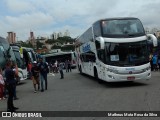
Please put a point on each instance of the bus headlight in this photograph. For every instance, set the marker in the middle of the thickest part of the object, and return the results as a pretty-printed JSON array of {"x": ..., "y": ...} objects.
[
  {"x": 112, "y": 70},
  {"x": 146, "y": 69}
]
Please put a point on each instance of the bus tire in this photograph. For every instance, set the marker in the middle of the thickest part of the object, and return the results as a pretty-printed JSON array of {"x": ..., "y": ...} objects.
[{"x": 96, "y": 76}]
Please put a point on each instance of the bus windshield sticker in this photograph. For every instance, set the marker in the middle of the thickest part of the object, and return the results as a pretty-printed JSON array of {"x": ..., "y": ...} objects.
[{"x": 114, "y": 57}]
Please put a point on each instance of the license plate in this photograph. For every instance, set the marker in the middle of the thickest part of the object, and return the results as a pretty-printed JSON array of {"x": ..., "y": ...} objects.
[{"x": 131, "y": 78}]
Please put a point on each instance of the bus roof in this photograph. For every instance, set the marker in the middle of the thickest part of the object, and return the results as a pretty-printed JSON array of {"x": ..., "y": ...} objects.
[
  {"x": 116, "y": 18},
  {"x": 14, "y": 47}
]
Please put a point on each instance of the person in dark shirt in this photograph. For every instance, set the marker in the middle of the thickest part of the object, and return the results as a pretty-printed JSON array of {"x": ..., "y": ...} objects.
[
  {"x": 69, "y": 65},
  {"x": 61, "y": 69},
  {"x": 43, "y": 67},
  {"x": 17, "y": 80},
  {"x": 10, "y": 84}
]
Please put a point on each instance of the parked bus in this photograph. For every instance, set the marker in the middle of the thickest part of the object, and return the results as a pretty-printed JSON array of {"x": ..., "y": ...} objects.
[
  {"x": 28, "y": 55},
  {"x": 63, "y": 56},
  {"x": 6, "y": 53},
  {"x": 22, "y": 68},
  {"x": 115, "y": 50}
]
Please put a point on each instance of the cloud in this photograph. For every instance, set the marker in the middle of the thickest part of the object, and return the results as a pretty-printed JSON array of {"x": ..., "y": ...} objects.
[
  {"x": 48, "y": 16},
  {"x": 19, "y": 5},
  {"x": 148, "y": 14},
  {"x": 29, "y": 20},
  {"x": 26, "y": 22}
]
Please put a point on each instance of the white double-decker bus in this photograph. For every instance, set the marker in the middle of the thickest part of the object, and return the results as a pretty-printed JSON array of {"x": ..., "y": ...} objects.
[{"x": 115, "y": 50}]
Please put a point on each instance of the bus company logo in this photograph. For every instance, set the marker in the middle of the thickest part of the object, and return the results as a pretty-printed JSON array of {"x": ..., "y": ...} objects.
[
  {"x": 23, "y": 114},
  {"x": 86, "y": 48},
  {"x": 6, "y": 114}
]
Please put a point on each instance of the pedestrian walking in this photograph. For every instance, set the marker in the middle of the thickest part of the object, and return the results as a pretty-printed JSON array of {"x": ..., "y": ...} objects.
[
  {"x": 159, "y": 62},
  {"x": 154, "y": 60},
  {"x": 35, "y": 76},
  {"x": 29, "y": 67},
  {"x": 61, "y": 69},
  {"x": 56, "y": 66},
  {"x": 69, "y": 65},
  {"x": 17, "y": 80},
  {"x": 1, "y": 86},
  {"x": 10, "y": 84},
  {"x": 151, "y": 61},
  {"x": 66, "y": 65},
  {"x": 43, "y": 67},
  {"x": 46, "y": 71},
  {"x": 50, "y": 67}
]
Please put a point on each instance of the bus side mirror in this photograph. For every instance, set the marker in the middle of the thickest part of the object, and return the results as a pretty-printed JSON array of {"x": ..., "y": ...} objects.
[
  {"x": 152, "y": 38},
  {"x": 99, "y": 43}
]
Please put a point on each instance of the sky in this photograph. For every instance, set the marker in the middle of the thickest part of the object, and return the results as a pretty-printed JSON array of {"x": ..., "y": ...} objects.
[{"x": 44, "y": 17}]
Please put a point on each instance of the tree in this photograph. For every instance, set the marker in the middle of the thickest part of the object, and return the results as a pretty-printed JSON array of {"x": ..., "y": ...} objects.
[
  {"x": 50, "y": 41},
  {"x": 27, "y": 45},
  {"x": 39, "y": 45},
  {"x": 65, "y": 39},
  {"x": 68, "y": 48}
]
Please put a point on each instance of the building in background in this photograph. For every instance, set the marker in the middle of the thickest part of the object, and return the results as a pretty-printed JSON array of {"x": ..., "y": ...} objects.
[
  {"x": 55, "y": 35},
  {"x": 60, "y": 34},
  {"x": 32, "y": 39},
  {"x": 66, "y": 33},
  {"x": 11, "y": 37}
]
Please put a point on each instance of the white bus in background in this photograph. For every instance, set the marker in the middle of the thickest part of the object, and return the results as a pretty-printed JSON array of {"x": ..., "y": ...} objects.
[
  {"x": 61, "y": 56},
  {"x": 22, "y": 68},
  {"x": 28, "y": 55},
  {"x": 115, "y": 50}
]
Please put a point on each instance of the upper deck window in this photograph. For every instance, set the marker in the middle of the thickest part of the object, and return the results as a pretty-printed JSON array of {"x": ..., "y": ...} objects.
[{"x": 122, "y": 28}]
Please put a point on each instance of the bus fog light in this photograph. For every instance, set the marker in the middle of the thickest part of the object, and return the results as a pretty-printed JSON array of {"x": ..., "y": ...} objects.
[{"x": 110, "y": 76}]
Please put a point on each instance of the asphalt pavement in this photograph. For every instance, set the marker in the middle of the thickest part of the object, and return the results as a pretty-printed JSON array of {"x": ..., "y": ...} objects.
[{"x": 78, "y": 92}]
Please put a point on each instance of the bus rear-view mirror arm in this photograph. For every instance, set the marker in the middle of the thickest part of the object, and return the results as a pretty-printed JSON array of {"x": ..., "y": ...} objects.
[
  {"x": 101, "y": 41},
  {"x": 153, "y": 39}
]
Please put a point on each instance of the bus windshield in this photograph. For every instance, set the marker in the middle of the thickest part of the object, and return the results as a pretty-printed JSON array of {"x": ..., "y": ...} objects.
[
  {"x": 126, "y": 54},
  {"x": 32, "y": 56},
  {"x": 122, "y": 28}
]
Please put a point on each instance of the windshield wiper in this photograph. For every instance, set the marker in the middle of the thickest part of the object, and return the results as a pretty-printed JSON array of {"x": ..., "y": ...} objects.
[{"x": 131, "y": 35}]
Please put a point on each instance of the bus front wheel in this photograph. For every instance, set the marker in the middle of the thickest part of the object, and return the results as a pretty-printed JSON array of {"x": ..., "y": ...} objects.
[{"x": 96, "y": 76}]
